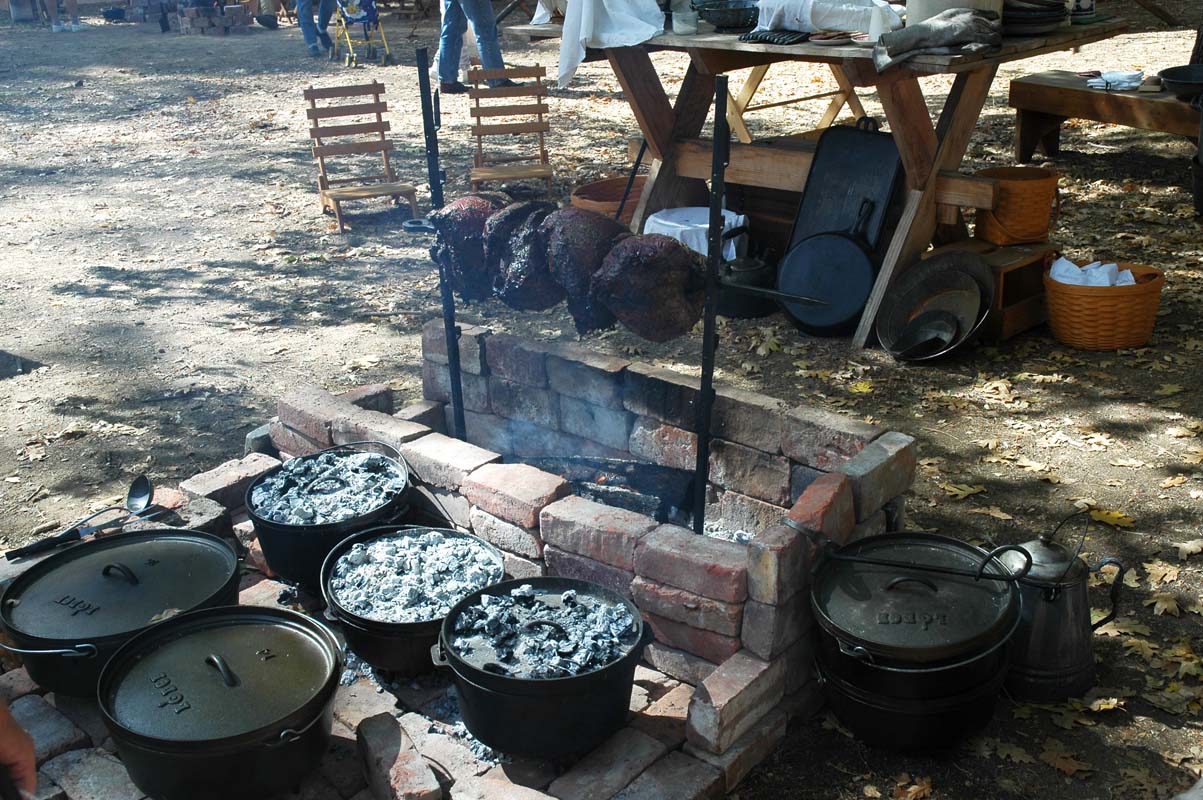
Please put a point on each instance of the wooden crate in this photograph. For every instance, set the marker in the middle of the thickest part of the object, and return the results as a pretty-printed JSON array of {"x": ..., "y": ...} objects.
[{"x": 1018, "y": 285}]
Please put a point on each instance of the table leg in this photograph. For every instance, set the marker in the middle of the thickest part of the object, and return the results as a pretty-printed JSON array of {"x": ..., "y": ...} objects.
[
  {"x": 736, "y": 105},
  {"x": 925, "y": 150},
  {"x": 846, "y": 97}
]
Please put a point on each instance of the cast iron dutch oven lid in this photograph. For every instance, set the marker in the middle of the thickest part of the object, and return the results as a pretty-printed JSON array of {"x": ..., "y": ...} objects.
[
  {"x": 118, "y": 584},
  {"x": 221, "y": 674},
  {"x": 912, "y": 614}
]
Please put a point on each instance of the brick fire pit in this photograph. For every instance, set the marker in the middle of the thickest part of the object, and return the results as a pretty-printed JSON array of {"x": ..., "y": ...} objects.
[{"x": 731, "y": 663}]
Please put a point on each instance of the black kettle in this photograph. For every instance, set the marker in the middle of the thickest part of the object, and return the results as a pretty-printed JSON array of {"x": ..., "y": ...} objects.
[{"x": 1052, "y": 652}]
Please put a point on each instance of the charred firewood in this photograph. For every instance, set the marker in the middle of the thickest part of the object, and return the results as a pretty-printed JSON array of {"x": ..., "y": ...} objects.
[
  {"x": 577, "y": 243},
  {"x": 522, "y": 279},
  {"x": 459, "y": 244},
  {"x": 654, "y": 285}
]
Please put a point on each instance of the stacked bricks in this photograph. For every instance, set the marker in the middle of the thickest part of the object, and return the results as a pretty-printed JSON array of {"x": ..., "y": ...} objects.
[
  {"x": 151, "y": 10},
  {"x": 214, "y": 21}
]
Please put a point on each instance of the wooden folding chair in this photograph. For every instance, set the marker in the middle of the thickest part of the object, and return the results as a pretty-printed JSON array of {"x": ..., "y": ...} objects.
[
  {"x": 508, "y": 167},
  {"x": 334, "y": 191}
]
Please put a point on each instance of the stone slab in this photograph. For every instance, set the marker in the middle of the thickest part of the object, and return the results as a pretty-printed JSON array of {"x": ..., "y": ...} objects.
[
  {"x": 595, "y": 530},
  {"x": 747, "y": 751},
  {"x": 92, "y": 775},
  {"x": 700, "y": 564},
  {"x": 687, "y": 608},
  {"x": 609, "y": 768},
  {"x": 677, "y": 776},
  {"x": 443, "y": 461}
]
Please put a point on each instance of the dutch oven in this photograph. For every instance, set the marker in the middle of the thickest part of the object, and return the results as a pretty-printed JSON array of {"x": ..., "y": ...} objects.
[
  {"x": 402, "y": 648},
  {"x": 224, "y": 703},
  {"x": 296, "y": 552},
  {"x": 66, "y": 615},
  {"x": 912, "y": 636},
  {"x": 542, "y": 717}
]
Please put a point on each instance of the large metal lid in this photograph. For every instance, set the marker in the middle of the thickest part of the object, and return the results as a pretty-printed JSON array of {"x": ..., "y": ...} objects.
[
  {"x": 908, "y": 610},
  {"x": 221, "y": 673},
  {"x": 1053, "y": 564},
  {"x": 118, "y": 584}
]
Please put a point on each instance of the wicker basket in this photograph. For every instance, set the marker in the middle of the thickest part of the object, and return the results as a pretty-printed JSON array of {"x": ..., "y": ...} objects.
[
  {"x": 1026, "y": 199},
  {"x": 604, "y": 197},
  {"x": 1105, "y": 317}
]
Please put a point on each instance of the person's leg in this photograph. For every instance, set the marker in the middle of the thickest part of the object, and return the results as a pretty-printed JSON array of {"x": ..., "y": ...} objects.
[
  {"x": 72, "y": 7},
  {"x": 305, "y": 21},
  {"x": 451, "y": 41},
  {"x": 481, "y": 14},
  {"x": 325, "y": 10},
  {"x": 56, "y": 25}
]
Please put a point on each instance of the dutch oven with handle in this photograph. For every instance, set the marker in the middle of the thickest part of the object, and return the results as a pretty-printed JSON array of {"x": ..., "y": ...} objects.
[
  {"x": 66, "y": 615},
  {"x": 913, "y": 632},
  {"x": 402, "y": 648},
  {"x": 542, "y": 717},
  {"x": 296, "y": 552},
  {"x": 222, "y": 704}
]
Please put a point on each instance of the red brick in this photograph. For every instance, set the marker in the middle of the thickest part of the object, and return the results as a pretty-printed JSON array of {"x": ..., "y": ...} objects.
[
  {"x": 738, "y": 512},
  {"x": 514, "y": 492},
  {"x": 665, "y": 718},
  {"x": 424, "y": 412},
  {"x": 472, "y": 344},
  {"x": 530, "y": 773},
  {"x": 770, "y": 630},
  {"x": 516, "y": 359},
  {"x": 362, "y": 699},
  {"x": 748, "y": 750},
  {"x": 608, "y": 426},
  {"x": 488, "y": 788},
  {"x": 359, "y": 425},
  {"x": 700, "y": 564},
  {"x": 585, "y": 374},
  {"x": 292, "y": 442},
  {"x": 309, "y": 410},
  {"x": 227, "y": 483},
  {"x": 340, "y": 765},
  {"x": 370, "y": 397},
  {"x": 709, "y": 645},
  {"x": 779, "y": 561},
  {"x": 571, "y": 565},
  {"x": 263, "y": 593},
  {"x": 749, "y": 471},
  {"x": 675, "y": 777},
  {"x": 256, "y": 560},
  {"x": 450, "y": 759},
  {"x": 823, "y": 439},
  {"x": 91, "y": 775},
  {"x": 685, "y": 667},
  {"x": 506, "y": 535},
  {"x": 518, "y": 567},
  {"x": 747, "y": 418},
  {"x": 875, "y": 525},
  {"x": 436, "y": 385},
  {"x": 442, "y": 461},
  {"x": 16, "y": 683},
  {"x": 452, "y": 509},
  {"x": 52, "y": 732},
  {"x": 529, "y": 403},
  {"x": 609, "y": 768},
  {"x": 687, "y": 608},
  {"x": 881, "y": 472},
  {"x": 664, "y": 444},
  {"x": 827, "y": 508},
  {"x": 662, "y": 394},
  {"x": 732, "y": 699},
  {"x": 533, "y": 441},
  {"x": 484, "y": 430},
  {"x": 394, "y": 768},
  {"x": 595, "y": 530}
]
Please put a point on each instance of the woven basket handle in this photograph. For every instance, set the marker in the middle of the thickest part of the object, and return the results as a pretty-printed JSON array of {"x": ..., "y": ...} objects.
[{"x": 1056, "y": 215}]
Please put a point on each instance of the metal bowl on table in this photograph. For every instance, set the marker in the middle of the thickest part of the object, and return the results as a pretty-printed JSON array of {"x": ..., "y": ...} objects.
[{"x": 728, "y": 16}]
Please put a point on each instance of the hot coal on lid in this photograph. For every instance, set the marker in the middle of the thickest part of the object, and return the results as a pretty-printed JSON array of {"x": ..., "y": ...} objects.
[
  {"x": 531, "y": 634},
  {"x": 327, "y": 488}
]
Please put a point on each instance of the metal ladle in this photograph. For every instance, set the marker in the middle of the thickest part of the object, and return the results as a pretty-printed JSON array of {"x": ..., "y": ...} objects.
[{"x": 137, "y": 500}]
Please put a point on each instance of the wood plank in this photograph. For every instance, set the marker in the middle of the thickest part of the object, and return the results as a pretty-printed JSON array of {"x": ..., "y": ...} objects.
[
  {"x": 911, "y": 128},
  {"x": 1064, "y": 94},
  {"x": 529, "y": 33},
  {"x": 511, "y": 128},
  {"x": 511, "y": 172},
  {"x": 645, "y": 93},
  {"x": 328, "y": 131},
  {"x": 489, "y": 92},
  {"x": 358, "y": 90},
  {"x": 352, "y": 148},
  {"x": 513, "y": 73},
  {"x": 369, "y": 191},
  {"x": 528, "y": 109},
  {"x": 346, "y": 111}
]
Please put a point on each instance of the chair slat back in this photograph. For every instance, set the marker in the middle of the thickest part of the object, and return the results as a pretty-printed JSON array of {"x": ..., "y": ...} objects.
[{"x": 375, "y": 130}]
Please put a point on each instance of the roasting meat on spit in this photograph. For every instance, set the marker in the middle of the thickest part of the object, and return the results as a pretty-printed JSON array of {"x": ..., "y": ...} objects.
[
  {"x": 654, "y": 285},
  {"x": 577, "y": 243},
  {"x": 516, "y": 253},
  {"x": 459, "y": 245}
]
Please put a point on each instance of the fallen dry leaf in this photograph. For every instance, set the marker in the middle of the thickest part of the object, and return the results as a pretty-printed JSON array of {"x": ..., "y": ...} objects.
[
  {"x": 1116, "y": 519},
  {"x": 959, "y": 491},
  {"x": 1172, "y": 481},
  {"x": 1140, "y": 647},
  {"x": 869, "y": 790},
  {"x": 992, "y": 511},
  {"x": 918, "y": 790},
  {"x": 1014, "y": 753},
  {"x": 1179, "y": 432},
  {"x": 1188, "y": 549},
  {"x": 1055, "y": 755},
  {"x": 1193, "y": 455},
  {"x": 861, "y": 387},
  {"x": 1160, "y": 572},
  {"x": 1163, "y": 603},
  {"x": 1130, "y": 463},
  {"x": 1119, "y": 627},
  {"x": 1168, "y": 390}
]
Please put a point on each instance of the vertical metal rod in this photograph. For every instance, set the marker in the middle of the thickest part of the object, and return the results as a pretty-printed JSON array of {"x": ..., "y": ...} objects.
[
  {"x": 626, "y": 193},
  {"x": 720, "y": 157},
  {"x": 451, "y": 332}
]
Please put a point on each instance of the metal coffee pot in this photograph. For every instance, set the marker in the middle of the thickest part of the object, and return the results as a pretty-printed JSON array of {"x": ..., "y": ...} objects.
[{"x": 1052, "y": 654}]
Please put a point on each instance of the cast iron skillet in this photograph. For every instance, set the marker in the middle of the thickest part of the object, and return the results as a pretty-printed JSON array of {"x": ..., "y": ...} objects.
[{"x": 836, "y": 268}]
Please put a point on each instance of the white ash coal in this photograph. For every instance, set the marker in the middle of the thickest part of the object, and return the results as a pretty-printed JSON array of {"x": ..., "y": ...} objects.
[
  {"x": 411, "y": 576},
  {"x": 716, "y": 530},
  {"x": 327, "y": 488},
  {"x": 528, "y": 634}
]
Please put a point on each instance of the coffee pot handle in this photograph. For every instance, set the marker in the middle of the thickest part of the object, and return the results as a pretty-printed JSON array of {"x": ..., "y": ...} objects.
[{"x": 1116, "y": 587}]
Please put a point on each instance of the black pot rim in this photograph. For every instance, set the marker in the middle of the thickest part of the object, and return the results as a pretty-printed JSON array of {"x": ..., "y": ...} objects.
[
  {"x": 303, "y": 717},
  {"x": 400, "y": 502},
  {"x": 924, "y": 706},
  {"x": 348, "y": 617},
  {"x": 52, "y": 562},
  {"x": 517, "y": 685}
]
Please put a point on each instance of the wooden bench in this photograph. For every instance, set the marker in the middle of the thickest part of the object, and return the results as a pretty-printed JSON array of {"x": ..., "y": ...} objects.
[{"x": 1045, "y": 100}]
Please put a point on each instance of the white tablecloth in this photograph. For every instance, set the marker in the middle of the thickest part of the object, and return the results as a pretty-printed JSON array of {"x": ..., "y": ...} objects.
[
  {"x": 690, "y": 226},
  {"x": 605, "y": 23}
]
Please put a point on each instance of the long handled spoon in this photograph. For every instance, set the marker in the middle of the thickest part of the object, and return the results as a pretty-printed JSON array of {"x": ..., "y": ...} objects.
[{"x": 137, "y": 500}]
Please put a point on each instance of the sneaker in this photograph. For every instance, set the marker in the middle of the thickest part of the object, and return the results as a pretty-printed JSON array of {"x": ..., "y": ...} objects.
[
  {"x": 315, "y": 51},
  {"x": 453, "y": 88},
  {"x": 77, "y": 26},
  {"x": 505, "y": 84},
  {"x": 57, "y": 27},
  {"x": 325, "y": 40}
]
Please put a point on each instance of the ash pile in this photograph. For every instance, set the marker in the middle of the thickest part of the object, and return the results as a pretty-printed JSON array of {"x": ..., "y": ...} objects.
[
  {"x": 528, "y": 634},
  {"x": 328, "y": 488},
  {"x": 412, "y": 577}
]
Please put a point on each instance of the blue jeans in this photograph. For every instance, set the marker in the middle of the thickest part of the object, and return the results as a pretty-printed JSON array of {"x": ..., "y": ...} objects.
[
  {"x": 456, "y": 14},
  {"x": 325, "y": 10}
]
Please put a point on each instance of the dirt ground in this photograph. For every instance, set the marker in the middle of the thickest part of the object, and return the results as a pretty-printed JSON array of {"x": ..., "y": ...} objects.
[{"x": 167, "y": 274}]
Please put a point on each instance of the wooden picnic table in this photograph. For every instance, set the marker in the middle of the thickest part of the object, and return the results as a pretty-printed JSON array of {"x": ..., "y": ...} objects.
[{"x": 931, "y": 152}]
